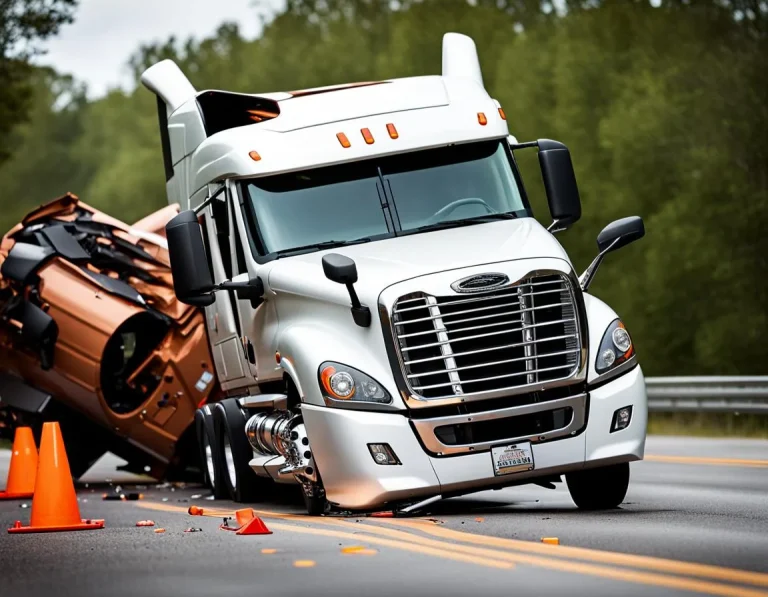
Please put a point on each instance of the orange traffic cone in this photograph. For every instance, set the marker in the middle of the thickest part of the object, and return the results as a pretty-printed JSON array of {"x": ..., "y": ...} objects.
[
  {"x": 250, "y": 524},
  {"x": 54, "y": 507},
  {"x": 21, "y": 474}
]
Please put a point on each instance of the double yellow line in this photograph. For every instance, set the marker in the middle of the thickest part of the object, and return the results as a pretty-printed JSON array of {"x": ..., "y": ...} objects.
[{"x": 428, "y": 538}]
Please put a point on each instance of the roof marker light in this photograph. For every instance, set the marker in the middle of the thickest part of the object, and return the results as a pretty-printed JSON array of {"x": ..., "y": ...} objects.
[
  {"x": 501, "y": 113},
  {"x": 254, "y": 155},
  {"x": 392, "y": 131},
  {"x": 367, "y": 136},
  {"x": 482, "y": 119},
  {"x": 343, "y": 140}
]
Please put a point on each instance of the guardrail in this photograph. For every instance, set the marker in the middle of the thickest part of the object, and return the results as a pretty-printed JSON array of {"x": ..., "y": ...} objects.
[{"x": 708, "y": 394}]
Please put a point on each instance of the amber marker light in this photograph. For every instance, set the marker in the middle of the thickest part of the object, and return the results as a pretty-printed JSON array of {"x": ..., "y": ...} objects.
[
  {"x": 254, "y": 155},
  {"x": 343, "y": 140},
  {"x": 392, "y": 131},
  {"x": 501, "y": 113},
  {"x": 482, "y": 119},
  {"x": 367, "y": 136}
]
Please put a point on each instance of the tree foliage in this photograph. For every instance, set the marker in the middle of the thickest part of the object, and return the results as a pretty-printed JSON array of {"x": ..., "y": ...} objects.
[
  {"x": 23, "y": 24},
  {"x": 663, "y": 104}
]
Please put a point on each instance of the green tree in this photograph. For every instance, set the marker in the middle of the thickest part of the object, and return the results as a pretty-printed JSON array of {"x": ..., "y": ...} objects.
[{"x": 23, "y": 24}]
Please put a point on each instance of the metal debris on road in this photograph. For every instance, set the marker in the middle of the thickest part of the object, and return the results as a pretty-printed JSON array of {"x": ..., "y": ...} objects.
[{"x": 193, "y": 530}]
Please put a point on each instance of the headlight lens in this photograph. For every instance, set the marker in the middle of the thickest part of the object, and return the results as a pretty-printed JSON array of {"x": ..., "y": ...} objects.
[
  {"x": 615, "y": 348},
  {"x": 341, "y": 382}
]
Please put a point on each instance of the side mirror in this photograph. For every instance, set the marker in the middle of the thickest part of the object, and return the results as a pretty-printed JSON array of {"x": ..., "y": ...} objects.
[
  {"x": 614, "y": 236},
  {"x": 192, "y": 278},
  {"x": 559, "y": 183},
  {"x": 342, "y": 270},
  {"x": 620, "y": 233}
]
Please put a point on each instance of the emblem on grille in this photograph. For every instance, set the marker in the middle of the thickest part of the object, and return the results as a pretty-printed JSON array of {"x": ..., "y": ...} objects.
[{"x": 480, "y": 282}]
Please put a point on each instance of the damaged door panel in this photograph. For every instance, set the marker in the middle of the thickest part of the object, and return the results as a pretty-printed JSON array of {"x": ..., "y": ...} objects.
[{"x": 89, "y": 317}]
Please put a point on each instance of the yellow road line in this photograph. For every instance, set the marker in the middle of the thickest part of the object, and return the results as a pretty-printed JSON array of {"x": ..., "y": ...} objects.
[
  {"x": 592, "y": 555},
  {"x": 412, "y": 542},
  {"x": 706, "y": 460},
  {"x": 359, "y": 538}
]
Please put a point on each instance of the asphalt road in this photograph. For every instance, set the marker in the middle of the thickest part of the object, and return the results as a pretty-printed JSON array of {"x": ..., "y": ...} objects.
[{"x": 695, "y": 522}]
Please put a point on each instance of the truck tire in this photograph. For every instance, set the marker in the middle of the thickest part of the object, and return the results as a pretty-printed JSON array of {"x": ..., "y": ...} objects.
[
  {"x": 242, "y": 483},
  {"x": 601, "y": 488},
  {"x": 211, "y": 458}
]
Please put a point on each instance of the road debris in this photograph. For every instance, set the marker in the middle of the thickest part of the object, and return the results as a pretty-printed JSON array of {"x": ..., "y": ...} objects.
[
  {"x": 479, "y": 519},
  {"x": 268, "y": 550},
  {"x": 550, "y": 540},
  {"x": 304, "y": 564},
  {"x": 161, "y": 530},
  {"x": 193, "y": 530},
  {"x": 145, "y": 523}
]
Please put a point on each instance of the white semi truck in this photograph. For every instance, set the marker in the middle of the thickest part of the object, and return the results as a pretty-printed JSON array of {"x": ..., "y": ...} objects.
[{"x": 391, "y": 324}]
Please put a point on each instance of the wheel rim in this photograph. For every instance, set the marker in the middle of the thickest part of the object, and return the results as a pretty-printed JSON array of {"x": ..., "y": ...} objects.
[
  {"x": 209, "y": 460},
  {"x": 229, "y": 457}
]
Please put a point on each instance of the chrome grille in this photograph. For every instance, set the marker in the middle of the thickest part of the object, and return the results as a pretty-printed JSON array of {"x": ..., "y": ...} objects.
[{"x": 523, "y": 334}]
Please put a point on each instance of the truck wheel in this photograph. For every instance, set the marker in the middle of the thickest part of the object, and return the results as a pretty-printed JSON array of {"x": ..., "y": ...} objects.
[
  {"x": 210, "y": 455},
  {"x": 599, "y": 488},
  {"x": 242, "y": 483}
]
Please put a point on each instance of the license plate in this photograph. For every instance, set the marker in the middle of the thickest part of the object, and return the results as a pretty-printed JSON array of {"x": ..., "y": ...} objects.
[{"x": 512, "y": 458}]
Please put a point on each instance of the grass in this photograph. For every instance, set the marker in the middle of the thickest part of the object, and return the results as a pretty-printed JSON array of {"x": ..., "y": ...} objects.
[
  {"x": 5, "y": 444},
  {"x": 708, "y": 425}
]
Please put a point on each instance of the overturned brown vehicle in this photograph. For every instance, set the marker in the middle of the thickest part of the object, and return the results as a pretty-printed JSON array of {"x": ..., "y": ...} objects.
[{"x": 91, "y": 335}]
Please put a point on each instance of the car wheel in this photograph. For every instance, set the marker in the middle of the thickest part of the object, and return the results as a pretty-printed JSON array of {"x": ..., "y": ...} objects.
[
  {"x": 211, "y": 457},
  {"x": 242, "y": 483},
  {"x": 599, "y": 488}
]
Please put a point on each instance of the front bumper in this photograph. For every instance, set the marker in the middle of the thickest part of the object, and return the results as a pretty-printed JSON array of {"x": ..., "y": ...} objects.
[{"x": 340, "y": 438}]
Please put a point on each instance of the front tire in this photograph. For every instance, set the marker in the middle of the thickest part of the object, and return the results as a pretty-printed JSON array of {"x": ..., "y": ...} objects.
[
  {"x": 243, "y": 485},
  {"x": 601, "y": 488}
]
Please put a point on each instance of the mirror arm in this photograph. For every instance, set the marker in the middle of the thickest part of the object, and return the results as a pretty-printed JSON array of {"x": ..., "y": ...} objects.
[
  {"x": 208, "y": 200},
  {"x": 586, "y": 278},
  {"x": 555, "y": 227},
  {"x": 361, "y": 314}
]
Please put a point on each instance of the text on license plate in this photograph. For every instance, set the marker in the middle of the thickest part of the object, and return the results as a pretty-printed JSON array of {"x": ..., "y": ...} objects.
[{"x": 512, "y": 458}]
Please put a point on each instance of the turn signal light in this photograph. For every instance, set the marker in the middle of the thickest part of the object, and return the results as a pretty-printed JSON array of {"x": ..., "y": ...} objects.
[
  {"x": 367, "y": 136},
  {"x": 392, "y": 131},
  {"x": 482, "y": 119},
  {"x": 343, "y": 140},
  {"x": 254, "y": 155},
  {"x": 501, "y": 113}
]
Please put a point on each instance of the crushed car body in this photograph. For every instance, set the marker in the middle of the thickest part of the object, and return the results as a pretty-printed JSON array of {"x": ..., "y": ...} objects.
[{"x": 92, "y": 334}]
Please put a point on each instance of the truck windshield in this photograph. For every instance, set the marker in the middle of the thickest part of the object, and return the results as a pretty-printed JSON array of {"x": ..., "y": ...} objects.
[{"x": 384, "y": 197}]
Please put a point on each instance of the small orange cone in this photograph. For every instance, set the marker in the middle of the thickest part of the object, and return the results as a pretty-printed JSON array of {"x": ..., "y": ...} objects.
[
  {"x": 255, "y": 526},
  {"x": 21, "y": 474},
  {"x": 54, "y": 506}
]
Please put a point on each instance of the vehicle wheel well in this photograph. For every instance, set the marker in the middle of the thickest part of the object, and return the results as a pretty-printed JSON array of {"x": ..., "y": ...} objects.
[{"x": 294, "y": 399}]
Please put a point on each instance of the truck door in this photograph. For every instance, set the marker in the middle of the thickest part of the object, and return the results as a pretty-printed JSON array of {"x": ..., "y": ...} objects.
[{"x": 223, "y": 321}]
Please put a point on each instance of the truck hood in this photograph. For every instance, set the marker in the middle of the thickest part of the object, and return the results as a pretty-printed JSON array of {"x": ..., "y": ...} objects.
[{"x": 383, "y": 263}]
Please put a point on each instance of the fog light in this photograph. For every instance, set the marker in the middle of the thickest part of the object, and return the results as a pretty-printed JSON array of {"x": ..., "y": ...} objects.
[
  {"x": 621, "y": 419},
  {"x": 383, "y": 454}
]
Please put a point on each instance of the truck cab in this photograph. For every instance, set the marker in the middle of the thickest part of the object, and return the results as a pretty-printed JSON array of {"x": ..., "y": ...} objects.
[{"x": 389, "y": 322}]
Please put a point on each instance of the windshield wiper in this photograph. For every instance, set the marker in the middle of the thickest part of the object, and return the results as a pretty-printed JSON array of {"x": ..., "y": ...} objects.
[
  {"x": 464, "y": 222},
  {"x": 328, "y": 244}
]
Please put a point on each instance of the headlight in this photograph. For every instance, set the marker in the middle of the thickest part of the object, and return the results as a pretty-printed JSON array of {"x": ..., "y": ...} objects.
[
  {"x": 615, "y": 348},
  {"x": 343, "y": 383}
]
